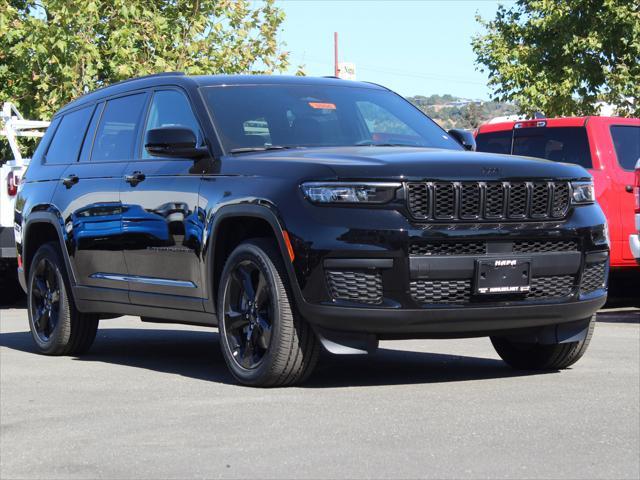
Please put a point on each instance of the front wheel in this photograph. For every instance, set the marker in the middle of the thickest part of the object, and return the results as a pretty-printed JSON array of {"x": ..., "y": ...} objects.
[
  {"x": 264, "y": 341},
  {"x": 533, "y": 356}
]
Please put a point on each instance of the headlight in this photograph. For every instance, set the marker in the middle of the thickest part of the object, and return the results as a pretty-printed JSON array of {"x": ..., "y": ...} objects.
[
  {"x": 338, "y": 192},
  {"x": 582, "y": 193}
]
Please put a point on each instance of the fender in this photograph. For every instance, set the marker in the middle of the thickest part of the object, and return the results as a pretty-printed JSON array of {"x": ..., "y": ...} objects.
[
  {"x": 53, "y": 218},
  {"x": 262, "y": 211}
]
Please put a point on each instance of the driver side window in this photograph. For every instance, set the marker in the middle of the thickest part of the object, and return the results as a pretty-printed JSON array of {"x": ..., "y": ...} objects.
[{"x": 170, "y": 108}]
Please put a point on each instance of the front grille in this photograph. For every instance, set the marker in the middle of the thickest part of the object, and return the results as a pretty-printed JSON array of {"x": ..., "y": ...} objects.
[
  {"x": 361, "y": 287},
  {"x": 544, "y": 246},
  {"x": 558, "y": 286},
  {"x": 487, "y": 201},
  {"x": 460, "y": 291},
  {"x": 451, "y": 248},
  {"x": 481, "y": 248},
  {"x": 444, "y": 200},
  {"x": 441, "y": 291},
  {"x": 593, "y": 277}
]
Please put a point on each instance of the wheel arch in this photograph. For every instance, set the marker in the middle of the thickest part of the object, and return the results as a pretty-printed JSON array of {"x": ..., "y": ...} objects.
[
  {"x": 254, "y": 221},
  {"x": 41, "y": 228}
]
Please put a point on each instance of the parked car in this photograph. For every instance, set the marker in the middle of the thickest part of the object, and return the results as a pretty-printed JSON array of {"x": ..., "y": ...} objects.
[
  {"x": 608, "y": 147},
  {"x": 12, "y": 126},
  {"x": 634, "y": 239},
  {"x": 314, "y": 212}
]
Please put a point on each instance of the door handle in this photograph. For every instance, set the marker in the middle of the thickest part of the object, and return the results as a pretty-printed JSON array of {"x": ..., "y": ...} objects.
[
  {"x": 135, "y": 178},
  {"x": 70, "y": 181},
  {"x": 628, "y": 188}
]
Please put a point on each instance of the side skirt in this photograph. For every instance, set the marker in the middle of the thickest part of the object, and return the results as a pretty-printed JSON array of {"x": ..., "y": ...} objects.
[{"x": 116, "y": 302}]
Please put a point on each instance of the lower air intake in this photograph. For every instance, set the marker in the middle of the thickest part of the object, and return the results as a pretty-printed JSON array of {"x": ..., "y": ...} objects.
[{"x": 360, "y": 287}]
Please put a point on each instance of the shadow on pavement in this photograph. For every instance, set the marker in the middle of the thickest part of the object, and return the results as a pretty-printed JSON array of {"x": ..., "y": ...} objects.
[
  {"x": 196, "y": 354},
  {"x": 15, "y": 300},
  {"x": 625, "y": 316}
]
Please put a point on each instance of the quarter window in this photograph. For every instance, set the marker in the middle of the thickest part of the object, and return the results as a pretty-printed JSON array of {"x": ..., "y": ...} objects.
[
  {"x": 626, "y": 141},
  {"x": 65, "y": 146},
  {"x": 170, "y": 108},
  {"x": 116, "y": 133}
]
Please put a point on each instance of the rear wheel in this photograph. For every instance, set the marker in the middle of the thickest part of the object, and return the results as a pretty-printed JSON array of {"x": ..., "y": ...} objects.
[
  {"x": 57, "y": 327},
  {"x": 264, "y": 341},
  {"x": 533, "y": 356}
]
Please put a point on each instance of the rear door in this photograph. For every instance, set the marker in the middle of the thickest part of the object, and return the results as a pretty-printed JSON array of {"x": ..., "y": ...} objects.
[
  {"x": 162, "y": 221},
  {"x": 90, "y": 199}
]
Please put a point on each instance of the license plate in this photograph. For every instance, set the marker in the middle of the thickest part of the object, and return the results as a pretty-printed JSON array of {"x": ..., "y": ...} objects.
[{"x": 503, "y": 276}]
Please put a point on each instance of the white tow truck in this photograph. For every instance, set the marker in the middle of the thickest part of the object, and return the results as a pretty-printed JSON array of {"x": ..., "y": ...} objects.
[{"x": 12, "y": 126}]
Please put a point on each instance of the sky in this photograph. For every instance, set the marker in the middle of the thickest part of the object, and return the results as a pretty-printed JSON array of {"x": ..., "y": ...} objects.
[{"x": 415, "y": 47}]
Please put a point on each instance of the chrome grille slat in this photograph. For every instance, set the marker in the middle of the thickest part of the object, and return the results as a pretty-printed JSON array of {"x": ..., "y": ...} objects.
[{"x": 487, "y": 201}]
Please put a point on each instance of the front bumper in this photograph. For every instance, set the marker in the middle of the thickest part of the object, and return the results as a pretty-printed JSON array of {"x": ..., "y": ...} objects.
[
  {"x": 376, "y": 252},
  {"x": 449, "y": 322}
]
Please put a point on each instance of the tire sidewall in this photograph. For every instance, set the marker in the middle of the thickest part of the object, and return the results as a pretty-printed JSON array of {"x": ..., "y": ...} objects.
[
  {"x": 61, "y": 333},
  {"x": 249, "y": 251}
]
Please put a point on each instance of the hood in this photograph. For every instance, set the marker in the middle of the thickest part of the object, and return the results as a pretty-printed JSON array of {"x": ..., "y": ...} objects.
[{"x": 400, "y": 163}]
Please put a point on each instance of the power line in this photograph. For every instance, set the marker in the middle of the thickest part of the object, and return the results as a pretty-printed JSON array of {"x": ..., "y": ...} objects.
[{"x": 395, "y": 71}]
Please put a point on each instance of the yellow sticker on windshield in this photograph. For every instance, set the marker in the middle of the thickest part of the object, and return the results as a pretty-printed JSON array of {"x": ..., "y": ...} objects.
[{"x": 322, "y": 105}]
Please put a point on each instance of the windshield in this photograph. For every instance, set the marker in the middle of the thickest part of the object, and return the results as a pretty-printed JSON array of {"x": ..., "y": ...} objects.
[{"x": 257, "y": 117}]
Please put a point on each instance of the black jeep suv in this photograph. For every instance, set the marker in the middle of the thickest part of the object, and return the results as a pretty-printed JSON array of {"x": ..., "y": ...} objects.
[{"x": 298, "y": 212}]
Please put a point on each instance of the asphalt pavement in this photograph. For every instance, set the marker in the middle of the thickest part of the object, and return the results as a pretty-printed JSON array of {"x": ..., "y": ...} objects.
[{"x": 156, "y": 401}]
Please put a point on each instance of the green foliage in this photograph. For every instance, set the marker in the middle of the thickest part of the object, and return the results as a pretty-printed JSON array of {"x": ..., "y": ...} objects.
[
  {"x": 561, "y": 57},
  {"x": 469, "y": 115},
  {"x": 52, "y": 51}
]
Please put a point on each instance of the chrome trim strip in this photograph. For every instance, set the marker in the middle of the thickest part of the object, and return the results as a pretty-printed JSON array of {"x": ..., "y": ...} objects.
[{"x": 163, "y": 282}]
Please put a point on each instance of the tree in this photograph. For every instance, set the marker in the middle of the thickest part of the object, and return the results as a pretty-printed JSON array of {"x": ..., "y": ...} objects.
[
  {"x": 561, "y": 57},
  {"x": 52, "y": 51}
]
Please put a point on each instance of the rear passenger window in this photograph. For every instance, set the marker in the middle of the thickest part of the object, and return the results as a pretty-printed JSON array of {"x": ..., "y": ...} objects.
[
  {"x": 116, "y": 133},
  {"x": 65, "y": 146},
  {"x": 626, "y": 141}
]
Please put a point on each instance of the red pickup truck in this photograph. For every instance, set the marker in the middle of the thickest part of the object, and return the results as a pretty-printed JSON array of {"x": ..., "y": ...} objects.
[{"x": 608, "y": 147}]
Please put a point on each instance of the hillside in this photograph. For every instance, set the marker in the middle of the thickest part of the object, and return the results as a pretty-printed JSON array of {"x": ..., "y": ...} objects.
[{"x": 454, "y": 112}]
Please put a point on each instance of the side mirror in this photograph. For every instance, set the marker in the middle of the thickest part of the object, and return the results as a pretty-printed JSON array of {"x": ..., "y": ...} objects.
[
  {"x": 173, "y": 142},
  {"x": 464, "y": 138}
]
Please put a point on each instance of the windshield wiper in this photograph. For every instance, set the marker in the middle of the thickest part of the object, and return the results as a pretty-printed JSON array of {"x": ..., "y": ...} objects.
[{"x": 263, "y": 149}]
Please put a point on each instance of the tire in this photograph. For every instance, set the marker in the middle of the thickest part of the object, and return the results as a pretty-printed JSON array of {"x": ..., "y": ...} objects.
[
  {"x": 57, "y": 327},
  {"x": 264, "y": 342},
  {"x": 532, "y": 356}
]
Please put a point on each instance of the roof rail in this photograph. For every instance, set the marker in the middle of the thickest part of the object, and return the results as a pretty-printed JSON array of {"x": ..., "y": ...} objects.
[
  {"x": 103, "y": 87},
  {"x": 152, "y": 75}
]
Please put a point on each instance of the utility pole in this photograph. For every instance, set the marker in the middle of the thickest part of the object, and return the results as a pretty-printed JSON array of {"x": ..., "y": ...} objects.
[{"x": 336, "y": 70}]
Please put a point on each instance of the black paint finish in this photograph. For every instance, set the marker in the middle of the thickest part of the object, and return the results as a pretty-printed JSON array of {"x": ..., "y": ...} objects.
[{"x": 143, "y": 236}]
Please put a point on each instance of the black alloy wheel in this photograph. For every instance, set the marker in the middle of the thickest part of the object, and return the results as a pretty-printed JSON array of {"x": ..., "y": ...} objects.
[
  {"x": 264, "y": 340},
  {"x": 248, "y": 313},
  {"x": 45, "y": 299}
]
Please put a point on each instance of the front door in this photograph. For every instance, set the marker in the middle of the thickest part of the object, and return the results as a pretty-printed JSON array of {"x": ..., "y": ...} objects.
[{"x": 162, "y": 222}]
